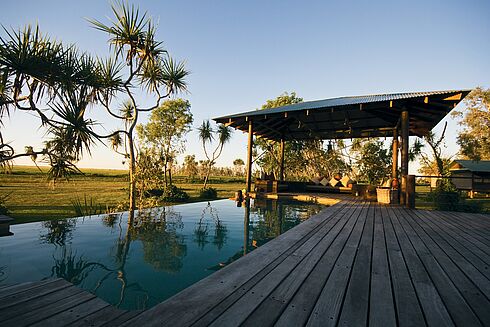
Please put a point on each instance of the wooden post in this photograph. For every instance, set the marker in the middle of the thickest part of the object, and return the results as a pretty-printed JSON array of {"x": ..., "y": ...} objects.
[
  {"x": 394, "y": 167},
  {"x": 249, "y": 157},
  {"x": 281, "y": 171},
  {"x": 410, "y": 190},
  {"x": 394, "y": 171},
  {"x": 246, "y": 223},
  {"x": 404, "y": 155}
]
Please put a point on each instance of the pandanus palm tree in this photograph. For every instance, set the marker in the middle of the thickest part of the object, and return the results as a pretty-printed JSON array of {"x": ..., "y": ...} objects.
[
  {"x": 207, "y": 135},
  {"x": 57, "y": 83},
  {"x": 149, "y": 67}
]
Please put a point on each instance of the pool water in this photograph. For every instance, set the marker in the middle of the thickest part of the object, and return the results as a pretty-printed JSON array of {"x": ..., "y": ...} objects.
[{"x": 166, "y": 250}]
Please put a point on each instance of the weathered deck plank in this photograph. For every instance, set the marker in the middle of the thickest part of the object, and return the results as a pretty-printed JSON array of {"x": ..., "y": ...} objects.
[
  {"x": 476, "y": 299},
  {"x": 298, "y": 261},
  {"x": 55, "y": 303},
  {"x": 381, "y": 302},
  {"x": 270, "y": 310},
  {"x": 407, "y": 304},
  {"x": 435, "y": 311},
  {"x": 440, "y": 272},
  {"x": 302, "y": 304}
]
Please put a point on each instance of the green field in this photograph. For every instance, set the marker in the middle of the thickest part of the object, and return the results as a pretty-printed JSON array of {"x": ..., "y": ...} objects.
[{"x": 30, "y": 198}]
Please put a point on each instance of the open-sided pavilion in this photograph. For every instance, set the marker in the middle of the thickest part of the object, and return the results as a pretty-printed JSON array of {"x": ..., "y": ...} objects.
[{"x": 397, "y": 115}]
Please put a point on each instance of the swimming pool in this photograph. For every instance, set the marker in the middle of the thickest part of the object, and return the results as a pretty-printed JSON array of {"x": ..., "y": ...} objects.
[{"x": 166, "y": 250}]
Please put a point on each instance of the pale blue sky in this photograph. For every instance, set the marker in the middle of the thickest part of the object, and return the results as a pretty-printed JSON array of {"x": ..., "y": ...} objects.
[{"x": 242, "y": 53}]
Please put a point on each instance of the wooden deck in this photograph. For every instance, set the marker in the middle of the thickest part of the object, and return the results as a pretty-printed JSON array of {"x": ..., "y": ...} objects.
[
  {"x": 56, "y": 302},
  {"x": 354, "y": 264}
]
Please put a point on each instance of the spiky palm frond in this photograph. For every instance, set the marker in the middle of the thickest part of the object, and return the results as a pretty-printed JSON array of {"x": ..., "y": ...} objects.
[
  {"x": 173, "y": 75},
  {"x": 77, "y": 131},
  {"x": 115, "y": 141},
  {"x": 109, "y": 76},
  {"x": 150, "y": 49},
  {"x": 127, "y": 30},
  {"x": 50, "y": 65},
  {"x": 30, "y": 53},
  {"x": 61, "y": 169},
  {"x": 224, "y": 134},
  {"x": 151, "y": 75},
  {"x": 127, "y": 110},
  {"x": 205, "y": 132},
  {"x": 5, "y": 91}
]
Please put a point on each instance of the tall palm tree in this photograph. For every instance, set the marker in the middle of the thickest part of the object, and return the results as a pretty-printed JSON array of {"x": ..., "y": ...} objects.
[{"x": 207, "y": 135}]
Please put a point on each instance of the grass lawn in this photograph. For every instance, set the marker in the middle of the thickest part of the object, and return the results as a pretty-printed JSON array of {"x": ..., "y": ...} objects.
[{"x": 30, "y": 198}]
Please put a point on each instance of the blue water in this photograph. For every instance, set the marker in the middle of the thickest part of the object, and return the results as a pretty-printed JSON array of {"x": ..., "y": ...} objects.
[{"x": 166, "y": 250}]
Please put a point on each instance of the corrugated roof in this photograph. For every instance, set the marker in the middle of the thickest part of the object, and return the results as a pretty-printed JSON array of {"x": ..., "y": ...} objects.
[
  {"x": 341, "y": 101},
  {"x": 349, "y": 117},
  {"x": 476, "y": 166}
]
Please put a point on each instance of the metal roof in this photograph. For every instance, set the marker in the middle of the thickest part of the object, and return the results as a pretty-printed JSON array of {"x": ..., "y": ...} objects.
[
  {"x": 472, "y": 165},
  {"x": 349, "y": 117}
]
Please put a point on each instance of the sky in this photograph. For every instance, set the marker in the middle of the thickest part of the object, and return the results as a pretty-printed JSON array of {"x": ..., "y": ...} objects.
[{"x": 241, "y": 53}]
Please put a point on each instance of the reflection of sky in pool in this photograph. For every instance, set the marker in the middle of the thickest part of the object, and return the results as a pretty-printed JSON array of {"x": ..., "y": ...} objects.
[{"x": 167, "y": 250}]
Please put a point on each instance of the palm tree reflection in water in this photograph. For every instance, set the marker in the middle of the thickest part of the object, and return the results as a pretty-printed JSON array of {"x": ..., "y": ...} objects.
[
  {"x": 160, "y": 232},
  {"x": 157, "y": 229},
  {"x": 201, "y": 232}
]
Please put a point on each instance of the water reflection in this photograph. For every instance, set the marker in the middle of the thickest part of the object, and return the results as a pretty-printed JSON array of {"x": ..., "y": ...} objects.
[
  {"x": 58, "y": 232},
  {"x": 73, "y": 268},
  {"x": 135, "y": 266},
  {"x": 158, "y": 230},
  {"x": 210, "y": 215}
]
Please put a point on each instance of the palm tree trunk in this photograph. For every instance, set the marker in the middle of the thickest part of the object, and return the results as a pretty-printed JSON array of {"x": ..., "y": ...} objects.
[
  {"x": 206, "y": 178},
  {"x": 170, "y": 174},
  {"x": 132, "y": 179}
]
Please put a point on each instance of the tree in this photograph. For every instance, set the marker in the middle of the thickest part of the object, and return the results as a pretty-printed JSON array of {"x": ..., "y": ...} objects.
[
  {"x": 436, "y": 163},
  {"x": 373, "y": 161},
  {"x": 302, "y": 159},
  {"x": 474, "y": 140},
  {"x": 58, "y": 83},
  {"x": 165, "y": 131},
  {"x": 191, "y": 166},
  {"x": 238, "y": 165},
  {"x": 436, "y": 144},
  {"x": 207, "y": 135}
]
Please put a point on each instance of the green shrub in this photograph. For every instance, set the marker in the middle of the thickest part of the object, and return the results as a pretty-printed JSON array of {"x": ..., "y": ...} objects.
[
  {"x": 174, "y": 194},
  {"x": 88, "y": 207},
  {"x": 208, "y": 193},
  {"x": 447, "y": 198}
]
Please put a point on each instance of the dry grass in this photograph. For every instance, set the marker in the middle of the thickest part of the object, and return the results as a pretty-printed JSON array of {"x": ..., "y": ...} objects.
[{"x": 32, "y": 199}]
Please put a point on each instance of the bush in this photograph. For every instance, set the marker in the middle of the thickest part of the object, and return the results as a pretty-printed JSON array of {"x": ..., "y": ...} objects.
[
  {"x": 87, "y": 207},
  {"x": 174, "y": 194},
  {"x": 208, "y": 193},
  {"x": 447, "y": 198}
]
